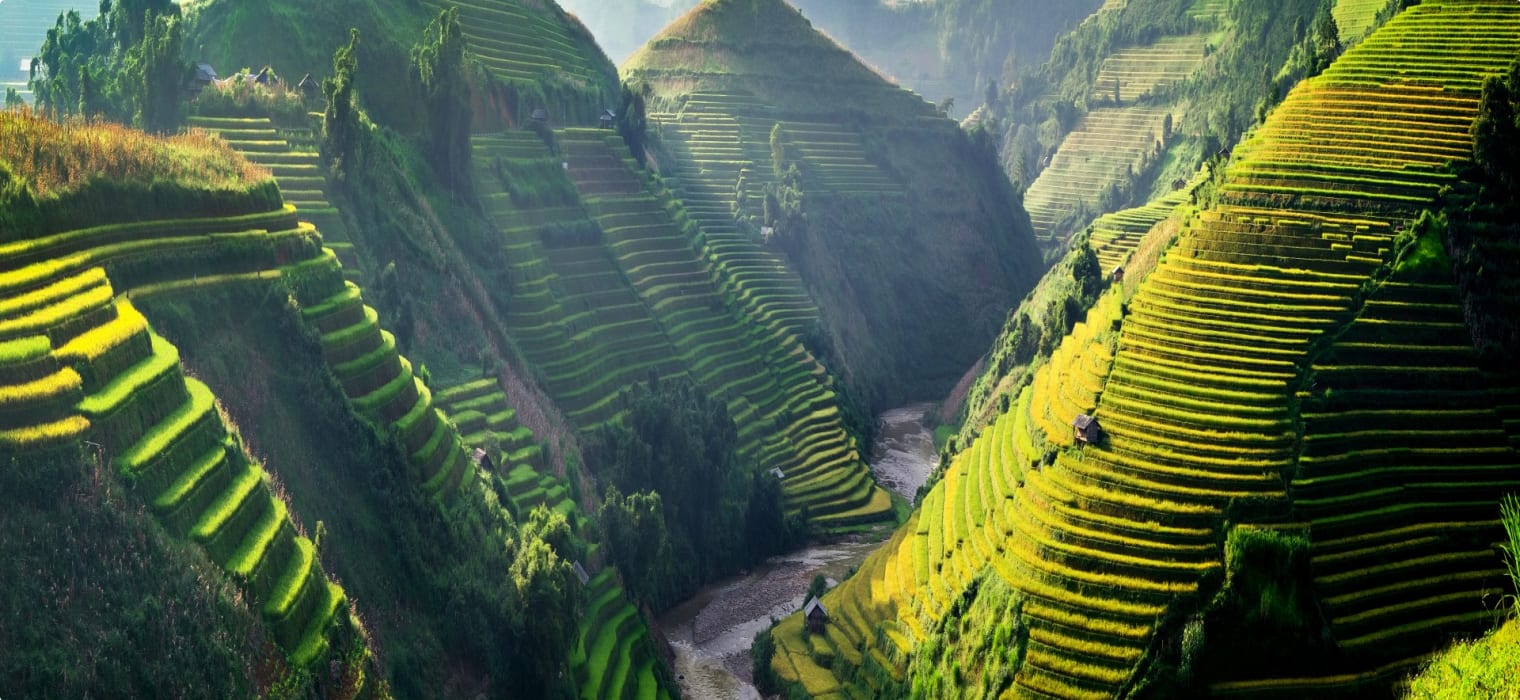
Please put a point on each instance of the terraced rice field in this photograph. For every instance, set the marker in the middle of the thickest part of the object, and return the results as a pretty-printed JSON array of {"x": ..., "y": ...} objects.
[
  {"x": 379, "y": 382},
  {"x": 601, "y": 312},
  {"x": 296, "y": 169},
  {"x": 613, "y": 656},
  {"x": 23, "y": 27},
  {"x": 1115, "y": 236},
  {"x": 723, "y": 141},
  {"x": 834, "y": 159},
  {"x": 485, "y": 420},
  {"x": 787, "y": 416},
  {"x": 1140, "y": 70},
  {"x": 1102, "y": 151},
  {"x": 516, "y": 41},
  {"x": 574, "y": 313},
  {"x": 1397, "y": 479},
  {"x": 78, "y": 362},
  {"x": 1399, "y": 474},
  {"x": 1354, "y": 18}
]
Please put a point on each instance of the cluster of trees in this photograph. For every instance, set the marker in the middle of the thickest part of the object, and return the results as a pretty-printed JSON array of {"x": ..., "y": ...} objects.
[
  {"x": 126, "y": 65},
  {"x": 1496, "y": 133},
  {"x": 682, "y": 506},
  {"x": 438, "y": 75},
  {"x": 1479, "y": 233}
]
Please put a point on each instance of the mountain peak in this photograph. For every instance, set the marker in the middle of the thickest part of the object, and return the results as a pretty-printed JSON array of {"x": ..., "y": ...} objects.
[{"x": 768, "y": 48}]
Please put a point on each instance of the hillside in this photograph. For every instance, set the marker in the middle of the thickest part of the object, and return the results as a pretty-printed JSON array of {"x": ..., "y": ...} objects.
[
  {"x": 83, "y": 367},
  {"x": 879, "y": 205},
  {"x": 956, "y": 49},
  {"x": 530, "y": 55},
  {"x": 1142, "y": 93},
  {"x": 113, "y": 303},
  {"x": 1278, "y": 502}
]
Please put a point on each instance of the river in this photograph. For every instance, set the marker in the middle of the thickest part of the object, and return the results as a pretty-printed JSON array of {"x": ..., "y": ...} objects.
[{"x": 711, "y": 632}]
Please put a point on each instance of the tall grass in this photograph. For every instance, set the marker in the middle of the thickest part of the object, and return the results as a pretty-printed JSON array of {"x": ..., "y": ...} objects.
[
  {"x": 54, "y": 157},
  {"x": 1509, "y": 514}
]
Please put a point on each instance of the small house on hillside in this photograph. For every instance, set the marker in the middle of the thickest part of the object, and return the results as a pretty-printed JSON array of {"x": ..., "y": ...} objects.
[
  {"x": 1117, "y": 275},
  {"x": 309, "y": 87},
  {"x": 815, "y": 615},
  {"x": 580, "y": 572},
  {"x": 265, "y": 77},
  {"x": 776, "y": 472},
  {"x": 204, "y": 75},
  {"x": 608, "y": 118},
  {"x": 1087, "y": 429},
  {"x": 483, "y": 460},
  {"x": 540, "y": 115}
]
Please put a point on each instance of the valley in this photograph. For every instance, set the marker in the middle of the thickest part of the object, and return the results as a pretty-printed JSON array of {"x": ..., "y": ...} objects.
[{"x": 759, "y": 348}]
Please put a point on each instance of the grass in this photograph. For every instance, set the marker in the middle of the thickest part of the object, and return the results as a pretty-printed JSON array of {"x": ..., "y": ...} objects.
[
  {"x": 40, "y": 434},
  {"x": 92, "y": 344},
  {"x": 54, "y": 385},
  {"x": 162, "y": 434},
  {"x": 288, "y": 588},
  {"x": 23, "y": 350},
  {"x": 1509, "y": 515},
  {"x": 1484, "y": 667},
  {"x": 57, "y": 157},
  {"x": 123, "y": 386},
  {"x": 227, "y": 504}
]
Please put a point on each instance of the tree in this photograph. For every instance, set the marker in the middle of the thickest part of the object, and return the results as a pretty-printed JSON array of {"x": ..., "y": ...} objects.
[
  {"x": 633, "y": 120},
  {"x": 1327, "y": 40},
  {"x": 155, "y": 74},
  {"x": 13, "y": 98},
  {"x": 438, "y": 73},
  {"x": 125, "y": 65},
  {"x": 636, "y": 537},
  {"x": 340, "y": 122},
  {"x": 816, "y": 588},
  {"x": 550, "y": 526},
  {"x": 1496, "y": 139},
  {"x": 544, "y": 584}
]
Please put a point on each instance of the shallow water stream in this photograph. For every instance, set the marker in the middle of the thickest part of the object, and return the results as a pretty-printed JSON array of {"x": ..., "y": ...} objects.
[{"x": 711, "y": 632}]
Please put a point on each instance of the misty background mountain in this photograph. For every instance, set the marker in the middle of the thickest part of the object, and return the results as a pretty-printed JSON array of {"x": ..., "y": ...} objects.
[{"x": 938, "y": 48}]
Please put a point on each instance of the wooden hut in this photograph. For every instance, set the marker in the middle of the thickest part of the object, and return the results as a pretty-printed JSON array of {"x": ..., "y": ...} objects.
[
  {"x": 1087, "y": 429},
  {"x": 815, "y": 615}
]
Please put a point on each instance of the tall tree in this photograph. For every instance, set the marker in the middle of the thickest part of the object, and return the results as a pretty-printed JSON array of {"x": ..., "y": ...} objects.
[
  {"x": 1496, "y": 139},
  {"x": 632, "y": 121},
  {"x": 438, "y": 73},
  {"x": 340, "y": 122},
  {"x": 156, "y": 74}
]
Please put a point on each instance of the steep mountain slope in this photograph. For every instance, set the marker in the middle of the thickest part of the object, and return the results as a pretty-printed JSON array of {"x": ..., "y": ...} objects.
[
  {"x": 541, "y": 57},
  {"x": 439, "y": 438},
  {"x": 609, "y": 286},
  {"x": 82, "y": 365},
  {"x": 1142, "y": 93},
  {"x": 892, "y": 216},
  {"x": 1284, "y": 390},
  {"x": 1132, "y": 110}
]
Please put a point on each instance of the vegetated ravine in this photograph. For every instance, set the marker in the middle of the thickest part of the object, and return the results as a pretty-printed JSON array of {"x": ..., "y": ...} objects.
[{"x": 711, "y": 632}]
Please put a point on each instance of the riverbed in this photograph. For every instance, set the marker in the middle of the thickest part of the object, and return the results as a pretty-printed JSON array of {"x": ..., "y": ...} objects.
[{"x": 712, "y": 631}]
